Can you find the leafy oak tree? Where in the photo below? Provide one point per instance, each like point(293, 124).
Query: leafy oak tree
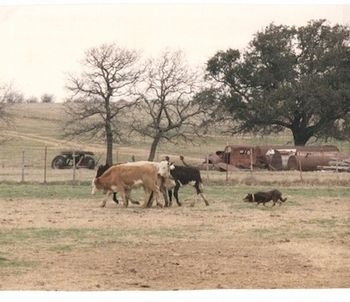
point(295, 78)
point(94, 106)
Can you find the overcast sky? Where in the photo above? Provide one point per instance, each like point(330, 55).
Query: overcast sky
point(40, 44)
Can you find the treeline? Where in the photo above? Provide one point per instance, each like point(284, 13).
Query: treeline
point(10, 95)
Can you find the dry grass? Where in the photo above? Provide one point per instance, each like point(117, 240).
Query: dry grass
point(72, 244)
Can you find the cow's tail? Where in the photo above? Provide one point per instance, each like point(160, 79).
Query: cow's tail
point(200, 190)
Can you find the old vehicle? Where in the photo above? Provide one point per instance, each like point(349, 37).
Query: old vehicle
point(66, 160)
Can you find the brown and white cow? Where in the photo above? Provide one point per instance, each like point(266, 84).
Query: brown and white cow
point(123, 177)
point(165, 181)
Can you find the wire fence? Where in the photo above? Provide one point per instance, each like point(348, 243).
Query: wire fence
point(35, 165)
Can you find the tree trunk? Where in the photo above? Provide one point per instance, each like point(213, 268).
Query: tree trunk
point(109, 143)
point(109, 134)
point(153, 150)
point(301, 136)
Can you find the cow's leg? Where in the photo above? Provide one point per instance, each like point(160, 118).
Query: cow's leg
point(176, 193)
point(148, 199)
point(200, 192)
point(170, 194)
point(159, 204)
point(195, 200)
point(129, 197)
point(115, 199)
point(154, 193)
point(124, 195)
point(165, 197)
point(104, 201)
point(163, 189)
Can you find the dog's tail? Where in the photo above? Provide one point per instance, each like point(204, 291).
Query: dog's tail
point(283, 199)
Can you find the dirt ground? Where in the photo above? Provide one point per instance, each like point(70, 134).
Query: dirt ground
point(76, 245)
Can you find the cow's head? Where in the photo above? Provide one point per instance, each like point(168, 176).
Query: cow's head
point(164, 168)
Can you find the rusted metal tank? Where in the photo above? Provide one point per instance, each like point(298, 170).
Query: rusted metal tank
point(307, 163)
point(274, 157)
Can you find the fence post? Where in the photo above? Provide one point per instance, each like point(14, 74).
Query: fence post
point(337, 170)
point(300, 170)
point(22, 178)
point(207, 168)
point(45, 164)
point(74, 167)
point(227, 171)
point(251, 162)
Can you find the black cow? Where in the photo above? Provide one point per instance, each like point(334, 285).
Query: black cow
point(183, 176)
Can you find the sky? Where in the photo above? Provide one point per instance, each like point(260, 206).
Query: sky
point(42, 43)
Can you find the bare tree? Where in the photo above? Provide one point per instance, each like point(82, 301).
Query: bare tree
point(167, 102)
point(109, 74)
point(10, 95)
point(32, 100)
point(6, 97)
point(47, 98)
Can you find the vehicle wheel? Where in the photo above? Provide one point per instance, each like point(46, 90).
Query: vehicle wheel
point(90, 162)
point(59, 162)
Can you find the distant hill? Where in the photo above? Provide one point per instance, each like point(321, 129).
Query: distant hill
point(38, 125)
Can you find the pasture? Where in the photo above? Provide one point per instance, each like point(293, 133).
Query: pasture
point(56, 237)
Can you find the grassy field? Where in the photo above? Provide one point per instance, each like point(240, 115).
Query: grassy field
point(55, 236)
point(83, 191)
point(38, 125)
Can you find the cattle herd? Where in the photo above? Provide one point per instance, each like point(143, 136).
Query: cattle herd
point(159, 177)
point(155, 177)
